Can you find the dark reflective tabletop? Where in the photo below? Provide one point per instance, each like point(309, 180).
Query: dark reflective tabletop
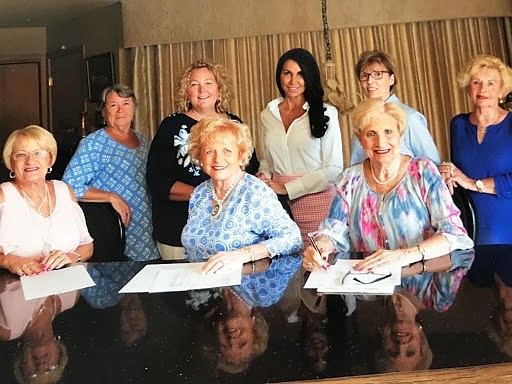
point(268, 329)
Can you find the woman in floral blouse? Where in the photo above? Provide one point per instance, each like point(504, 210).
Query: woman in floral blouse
point(391, 206)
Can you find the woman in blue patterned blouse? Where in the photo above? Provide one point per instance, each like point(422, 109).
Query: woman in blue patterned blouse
point(110, 166)
point(233, 217)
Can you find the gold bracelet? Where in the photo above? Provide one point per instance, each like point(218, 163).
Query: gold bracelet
point(253, 267)
point(250, 252)
point(78, 255)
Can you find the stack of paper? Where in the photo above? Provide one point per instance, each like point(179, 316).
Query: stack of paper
point(341, 278)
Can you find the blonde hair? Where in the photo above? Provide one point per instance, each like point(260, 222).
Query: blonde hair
point(221, 77)
point(211, 128)
point(486, 62)
point(369, 109)
point(36, 133)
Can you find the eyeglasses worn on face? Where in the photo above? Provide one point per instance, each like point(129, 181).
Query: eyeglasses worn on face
point(377, 75)
point(23, 155)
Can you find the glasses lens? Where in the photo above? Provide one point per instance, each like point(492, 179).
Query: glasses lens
point(363, 76)
point(377, 75)
point(20, 155)
point(40, 153)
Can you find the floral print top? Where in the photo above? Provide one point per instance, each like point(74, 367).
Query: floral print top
point(417, 208)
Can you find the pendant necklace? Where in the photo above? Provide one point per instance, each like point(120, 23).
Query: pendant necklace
point(31, 202)
point(386, 181)
point(484, 129)
point(45, 251)
point(218, 208)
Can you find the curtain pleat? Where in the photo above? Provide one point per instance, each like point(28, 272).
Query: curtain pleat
point(428, 55)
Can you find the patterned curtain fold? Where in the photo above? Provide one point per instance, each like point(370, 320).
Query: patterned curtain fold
point(428, 55)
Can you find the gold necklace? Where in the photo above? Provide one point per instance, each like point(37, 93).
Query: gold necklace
point(484, 129)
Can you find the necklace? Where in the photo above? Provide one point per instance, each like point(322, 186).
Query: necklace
point(484, 129)
point(40, 206)
point(46, 249)
point(218, 208)
point(386, 181)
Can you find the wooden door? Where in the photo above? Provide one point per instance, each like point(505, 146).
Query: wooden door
point(20, 99)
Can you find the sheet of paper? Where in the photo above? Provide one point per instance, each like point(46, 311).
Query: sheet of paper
point(56, 281)
point(180, 277)
point(330, 281)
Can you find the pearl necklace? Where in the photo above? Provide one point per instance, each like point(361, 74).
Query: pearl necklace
point(386, 181)
point(484, 129)
point(218, 208)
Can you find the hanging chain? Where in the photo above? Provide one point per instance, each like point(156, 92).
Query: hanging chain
point(327, 40)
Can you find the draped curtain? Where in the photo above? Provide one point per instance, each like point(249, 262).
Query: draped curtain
point(428, 56)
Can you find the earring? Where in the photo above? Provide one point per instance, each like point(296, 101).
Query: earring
point(189, 105)
point(49, 170)
point(12, 175)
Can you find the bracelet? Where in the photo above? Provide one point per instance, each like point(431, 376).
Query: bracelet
point(251, 253)
point(78, 255)
point(253, 268)
point(421, 251)
point(424, 267)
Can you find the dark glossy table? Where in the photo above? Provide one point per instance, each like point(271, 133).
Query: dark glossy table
point(266, 330)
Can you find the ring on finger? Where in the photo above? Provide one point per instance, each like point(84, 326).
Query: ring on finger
point(451, 171)
point(309, 265)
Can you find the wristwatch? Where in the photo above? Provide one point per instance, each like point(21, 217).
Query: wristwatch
point(479, 185)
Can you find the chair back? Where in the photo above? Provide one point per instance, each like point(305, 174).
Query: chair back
point(107, 230)
point(462, 199)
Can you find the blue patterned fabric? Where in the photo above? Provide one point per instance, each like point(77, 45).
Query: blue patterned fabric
point(251, 215)
point(109, 279)
point(266, 288)
point(103, 163)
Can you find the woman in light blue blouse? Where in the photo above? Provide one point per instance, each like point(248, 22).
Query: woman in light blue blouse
point(110, 166)
point(233, 217)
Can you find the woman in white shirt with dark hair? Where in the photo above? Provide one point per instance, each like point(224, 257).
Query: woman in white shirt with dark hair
point(302, 149)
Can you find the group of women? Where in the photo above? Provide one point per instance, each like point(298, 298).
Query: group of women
point(206, 197)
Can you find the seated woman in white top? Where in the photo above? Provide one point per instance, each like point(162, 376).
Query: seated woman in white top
point(41, 225)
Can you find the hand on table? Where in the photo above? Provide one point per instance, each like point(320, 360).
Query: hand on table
point(54, 260)
point(224, 259)
point(22, 266)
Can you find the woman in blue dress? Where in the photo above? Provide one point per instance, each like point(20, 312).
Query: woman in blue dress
point(110, 166)
point(234, 217)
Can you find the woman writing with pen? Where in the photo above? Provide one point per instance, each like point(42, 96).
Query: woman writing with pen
point(393, 207)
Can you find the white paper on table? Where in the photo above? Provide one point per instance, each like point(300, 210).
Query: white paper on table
point(329, 281)
point(56, 281)
point(181, 277)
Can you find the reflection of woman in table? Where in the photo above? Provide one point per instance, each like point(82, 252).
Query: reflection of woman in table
point(40, 351)
point(404, 345)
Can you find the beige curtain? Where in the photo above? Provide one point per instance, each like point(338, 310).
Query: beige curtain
point(428, 54)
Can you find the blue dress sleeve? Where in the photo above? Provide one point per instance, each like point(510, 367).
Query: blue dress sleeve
point(83, 166)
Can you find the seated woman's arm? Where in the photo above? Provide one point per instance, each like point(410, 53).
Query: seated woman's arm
point(444, 218)
point(282, 235)
point(58, 258)
point(16, 264)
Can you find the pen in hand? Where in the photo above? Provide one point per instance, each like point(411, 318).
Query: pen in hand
point(315, 245)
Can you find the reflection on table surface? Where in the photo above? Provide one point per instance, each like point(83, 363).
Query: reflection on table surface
point(267, 329)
